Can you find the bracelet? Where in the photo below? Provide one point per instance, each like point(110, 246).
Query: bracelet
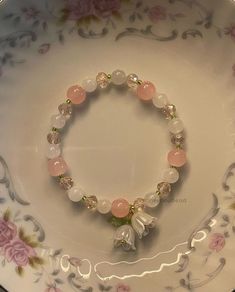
point(128, 217)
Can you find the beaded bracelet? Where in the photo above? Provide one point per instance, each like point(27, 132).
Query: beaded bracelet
point(128, 217)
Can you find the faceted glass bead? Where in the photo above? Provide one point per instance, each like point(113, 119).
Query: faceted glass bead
point(102, 80)
point(66, 182)
point(151, 200)
point(164, 188)
point(91, 202)
point(65, 110)
point(132, 80)
point(169, 111)
point(54, 137)
point(177, 139)
point(138, 204)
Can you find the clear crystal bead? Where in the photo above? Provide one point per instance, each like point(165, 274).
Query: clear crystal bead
point(91, 202)
point(65, 109)
point(132, 80)
point(66, 182)
point(169, 111)
point(177, 139)
point(54, 137)
point(102, 80)
point(138, 204)
point(164, 188)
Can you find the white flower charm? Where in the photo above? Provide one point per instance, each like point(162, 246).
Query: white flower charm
point(142, 222)
point(125, 237)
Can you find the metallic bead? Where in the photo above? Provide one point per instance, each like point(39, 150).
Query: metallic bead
point(65, 109)
point(66, 182)
point(68, 101)
point(54, 137)
point(169, 111)
point(164, 188)
point(90, 202)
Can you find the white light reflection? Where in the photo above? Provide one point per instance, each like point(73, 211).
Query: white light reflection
point(201, 238)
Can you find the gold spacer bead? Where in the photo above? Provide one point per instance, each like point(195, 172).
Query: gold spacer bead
point(84, 198)
point(139, 82)
point(68, 101)
point(54, 129)
point(109, 76)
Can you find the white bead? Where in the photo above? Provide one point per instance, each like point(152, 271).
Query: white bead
point(118, 77)
point(171, 175)
point(160, 100)
point(75, 194)
point(104, 206)
point(151, 200)
point(175, 126)
point(58, 121)
point(53, 151)
point(89, 84)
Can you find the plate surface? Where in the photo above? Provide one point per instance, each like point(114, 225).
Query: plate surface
point(116, 144)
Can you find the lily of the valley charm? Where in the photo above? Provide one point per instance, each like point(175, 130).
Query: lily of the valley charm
point(141, 222)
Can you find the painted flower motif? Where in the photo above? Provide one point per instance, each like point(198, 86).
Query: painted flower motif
point(18, 252)
point(8, 231)
point(78, 9)
point(53, 289)
point(217, 242)
point(157, 13)
point(230, 31)
point(44, 48)
point(123, 288)
point(105, 8)
point(142, 222)
point(30, 13)
point(125, 237)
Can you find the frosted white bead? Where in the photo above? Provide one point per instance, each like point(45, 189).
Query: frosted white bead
point(118, 77)
point(151, 200)
point(170, 175)
point(58, 121)
point(75, 194)
point(175, 126)
point(104, 206)
point(52, 151)
point(89, 84)
point(160, 100)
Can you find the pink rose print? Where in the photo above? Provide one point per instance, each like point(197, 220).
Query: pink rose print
point(157, 13)
point(123, 288)
point(7, 232)
point(53, 289)
point(230, 31)
point(44, 48)
point(78, 9)
point(104, 8)
point(18, 252)
point(217, 242)
point(30, 12)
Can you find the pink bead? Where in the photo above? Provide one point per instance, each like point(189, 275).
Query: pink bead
point(146, 90)
point(177, 157)
point(57, 166)
point(120, 208)
point(76, 94)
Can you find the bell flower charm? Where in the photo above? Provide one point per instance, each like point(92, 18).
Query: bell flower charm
point(142, 222)
point(125, 237)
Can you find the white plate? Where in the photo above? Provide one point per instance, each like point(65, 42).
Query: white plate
point(117, 145)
